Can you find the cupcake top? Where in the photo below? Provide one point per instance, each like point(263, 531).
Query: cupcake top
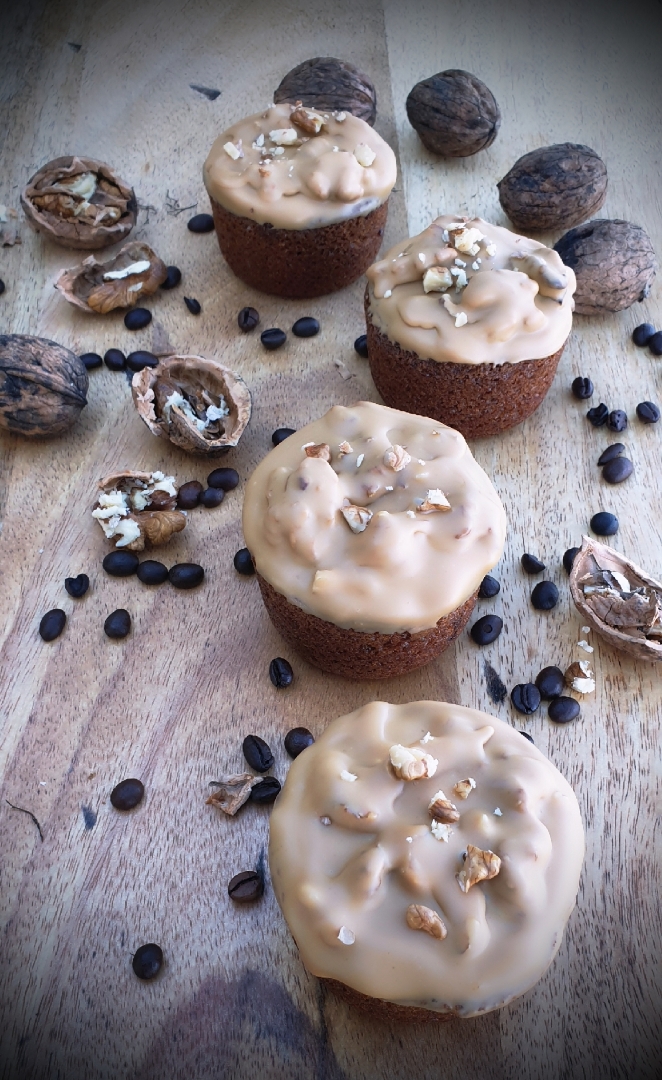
point(373, 519)
point(296, 168)
point(472, 293)
point(426, 854)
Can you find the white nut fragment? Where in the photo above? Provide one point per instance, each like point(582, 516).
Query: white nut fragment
point(463, 788)
point(135, 268)
point(396, 458)
point(437, 279)
point(357, 517)
point(344, 449)
point(347, 936)
point(284, 136)
point(460, 277)
point(490, 249)
point(461, 318)
point(365, 155)
point(467, 240)
point(580, 678)
point(498, 812)
point(420, 917)
point(233, 150)
point(442, 809)
point(435, 501)
point(410, 763)
point(479, 865)
point(440, 831)
point(428, 737)
point(585, 646)
point(324, 820)
point(345, 775)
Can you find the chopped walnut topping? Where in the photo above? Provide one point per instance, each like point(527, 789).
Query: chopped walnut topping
point(490, 249)
point(319, 450)
point(461, 318)
point(307, 120)
point(463, 788)
point(350, 776)
point(410, 763)
point(435, 500)
point(580, 677)
point(479, 865)
point(344, 449)
point(339, 116)
point(440, 831)
point(347, 936)
point(233, 792)
point(365, 155)
point(284, 137)
point(442, 809)
point(437, 279)
point(233, 150)
point(466, 240)
point(420, 917)
point(396, 458)
point(357, 517)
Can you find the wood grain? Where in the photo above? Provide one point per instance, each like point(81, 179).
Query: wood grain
point(172, 703)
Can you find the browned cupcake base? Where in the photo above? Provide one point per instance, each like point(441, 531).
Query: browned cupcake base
point(478, 400)
point(299, 263)
point(357, 655)
point(388, 1011)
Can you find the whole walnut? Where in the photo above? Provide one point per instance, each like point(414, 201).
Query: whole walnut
point(43, 386)
point(454, 113)
point(554, 187)
point(614, 262)
point(327, 83)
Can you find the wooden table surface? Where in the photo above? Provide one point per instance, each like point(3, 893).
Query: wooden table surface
point(172, 703)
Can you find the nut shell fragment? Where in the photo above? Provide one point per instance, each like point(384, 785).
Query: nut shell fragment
point(43, 386)
point(89, 286)
point(136, 509)
point(614, 262)
point(232, 792)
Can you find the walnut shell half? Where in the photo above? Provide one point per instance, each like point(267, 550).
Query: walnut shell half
point(43, 386)
point(621, 602)
point(454, 113)
point(79, 203)
point(614, 262)
point(98, 286)
point(197, 403)
point(327, 83)
point(554, 187)
point(137, 509)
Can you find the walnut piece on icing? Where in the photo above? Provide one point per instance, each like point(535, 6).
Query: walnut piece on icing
point(320, 450)
point(365, 155)
point(440, 831)
point(479, 865)
point(467, 240)
point(307, 120)
point(437, 279)
point(442, 809)
point(344, 449)
point(463, 788)
point(411, 763)
point(233, 150)
point(396, 458)
point(420, 917)
point(284, 136)
point(347, 936)
point(357, 517)
point(435, 500)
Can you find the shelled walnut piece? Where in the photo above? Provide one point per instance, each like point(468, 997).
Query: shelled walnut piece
point(135, 271)
point(136, 509)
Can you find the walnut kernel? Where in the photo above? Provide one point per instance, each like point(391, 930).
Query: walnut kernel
point(479, 865)
point(442, 809)
point(411, 763)
point(420, 917)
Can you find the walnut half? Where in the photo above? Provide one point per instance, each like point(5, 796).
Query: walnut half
point(479, 865)
point(420, 917)
point(135, 271)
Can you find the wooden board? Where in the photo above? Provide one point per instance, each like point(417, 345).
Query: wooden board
point(172, 703)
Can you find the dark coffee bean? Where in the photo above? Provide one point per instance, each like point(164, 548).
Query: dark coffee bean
point(642, 334)
point(487, 629)
point(2, 286)
point(611, 452)
point(147, 961)
point(189, 494)
point(281, 434)
point(91, 360)
point(531, 564)
point(604, 524)
point(489, 587)
point(525, 697)
point(151, 572)
point(243, 562)
point(361, 346)
point(266, 791)
point(545, 596)
point(173, 279)
point(655, 343)
point(599, 415)
point(52, 624)
point(582, 388)
point(226, 479)
point(140, 359)
point(273, 338)
point(248, 319)
point(245, 887)
point(306, 327)
point(257, 753)
point(138, 318)
point(550, 682)
point(569, 558)
point(648, 412)
point(526, 735)
point(121, 563)
point(185, 575)
point(200, 223)
point(617, 420)
point(280, 673)
point(297, 740)
point(77, 586)
point(211, 497)
point(563, 709)
point(617, 470)
point(127, 794)
point(115, 360)
point(118, 624)
point(194, 306)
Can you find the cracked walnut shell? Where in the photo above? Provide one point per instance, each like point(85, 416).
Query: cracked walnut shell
point(136, 509)
point(135, 271)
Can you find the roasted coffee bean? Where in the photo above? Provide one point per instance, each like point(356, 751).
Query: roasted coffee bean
point(118, 624)
point(257, 753)
point(266, 791)
point(648, 412)
point(115, 360)
point(604, 524)
point(248, 319)
point(77, 586)
point(297, 739)
point(280, 673)
point(189, 494)
point(361, 346)
point(642, 334)
point(245, 887)
point(598, 415)
point(91, 360)
point(489, 587)
point(211, 497)
point(226, 479)
point(127, 794)
point(611, 452)
point(617, 470)
point(617, 420)
point(140, 359)
point(121, 563)
point(173, 279)
point(148, 961)
point(185, 575)
point(550, 682)
point(487, 629)
point(526, 735)
point(563, 709)
point(306, 327)
point(531, 564)
point(582, 388)
point(525, 697)
point(52, 624)
point(194, 306)
point(138, 318)
point(151, 572)
point(273, 338)
point(281, 434)
point(569, 558)
point(2, 286)
point(545, 596)
point(655, 343)
point(243, 562)
point(200, 223)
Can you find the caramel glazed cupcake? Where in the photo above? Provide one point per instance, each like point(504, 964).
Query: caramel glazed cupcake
point(371, 531)
point(426, 858)
point(299, 198)
point(466, 323)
